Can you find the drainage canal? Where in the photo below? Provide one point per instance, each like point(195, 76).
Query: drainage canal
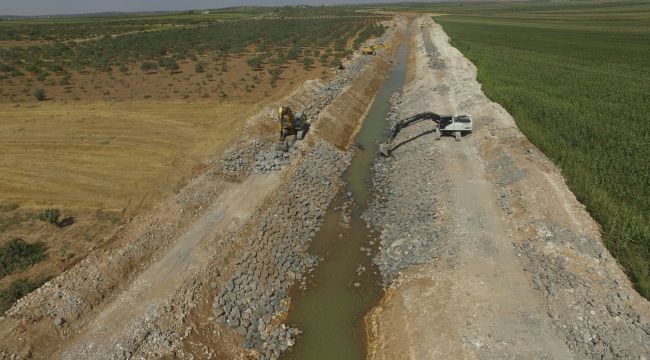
point(345, 285)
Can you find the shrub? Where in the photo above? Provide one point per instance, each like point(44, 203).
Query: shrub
point(9, 207)
point(50, 215)
point(275, 75)
point(148, 66)
point(9, 69)
point(255, 62)
point(16, 290)
point(308, 62)
point(16, 255)
point(336, 63)
point(40, 94)
point(42, 76)
point(293, 53)
point(199, 68)
point(169, 64)
point(65, 80)
point(323, 59)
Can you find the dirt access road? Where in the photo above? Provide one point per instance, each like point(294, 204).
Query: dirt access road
point(150, 292)
point(515, 267)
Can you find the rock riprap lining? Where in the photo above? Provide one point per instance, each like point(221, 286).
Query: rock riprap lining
point(277, 255)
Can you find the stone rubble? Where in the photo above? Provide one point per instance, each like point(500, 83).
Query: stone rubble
point(277, 254)
point(236, 162)
point(272, 160)
point(410, 237)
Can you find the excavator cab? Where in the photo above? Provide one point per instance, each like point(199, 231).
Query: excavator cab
point(291, 124)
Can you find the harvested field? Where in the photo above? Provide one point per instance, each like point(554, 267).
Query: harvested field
point(114, 156)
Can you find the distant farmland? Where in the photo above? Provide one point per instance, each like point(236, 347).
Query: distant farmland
point(577, 80)
point(175, 57)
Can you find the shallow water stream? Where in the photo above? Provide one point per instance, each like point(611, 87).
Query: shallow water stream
point(346, 285)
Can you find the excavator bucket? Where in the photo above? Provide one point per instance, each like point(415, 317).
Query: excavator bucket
point(384, 149)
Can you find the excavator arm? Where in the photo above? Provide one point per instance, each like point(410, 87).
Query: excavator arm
point(441, 121)
point(412, 120)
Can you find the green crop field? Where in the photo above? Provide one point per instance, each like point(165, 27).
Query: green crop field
point(576, 77)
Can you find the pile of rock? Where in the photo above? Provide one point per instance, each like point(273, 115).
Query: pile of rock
point(403, 208)
point(277, 257)
point(236, 161)
point(272, 160)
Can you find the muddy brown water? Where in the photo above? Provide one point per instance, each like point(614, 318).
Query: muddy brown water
point(330, 312)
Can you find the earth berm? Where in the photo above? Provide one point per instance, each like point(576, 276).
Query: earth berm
point(485, 252)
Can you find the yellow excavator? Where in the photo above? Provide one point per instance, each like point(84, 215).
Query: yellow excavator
point(372, 50)
point(291, 124)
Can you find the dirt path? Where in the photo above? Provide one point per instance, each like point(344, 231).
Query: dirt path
point(152, 289)
point(493, 256)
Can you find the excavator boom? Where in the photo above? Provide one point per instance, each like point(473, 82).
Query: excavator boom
point(443, 123)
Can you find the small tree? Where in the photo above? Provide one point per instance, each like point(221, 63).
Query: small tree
point(255, 62)
point(169, 64)
point(275, 75)
point(50, 215)
point(148, 66)
point(65, 80)
point(40, 95)
point(307, 62)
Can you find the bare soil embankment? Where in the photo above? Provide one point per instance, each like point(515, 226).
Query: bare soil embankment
point(486, 251)
point(237, 229)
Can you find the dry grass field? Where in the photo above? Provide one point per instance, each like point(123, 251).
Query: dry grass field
point(108, 155)
point(100, 163)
